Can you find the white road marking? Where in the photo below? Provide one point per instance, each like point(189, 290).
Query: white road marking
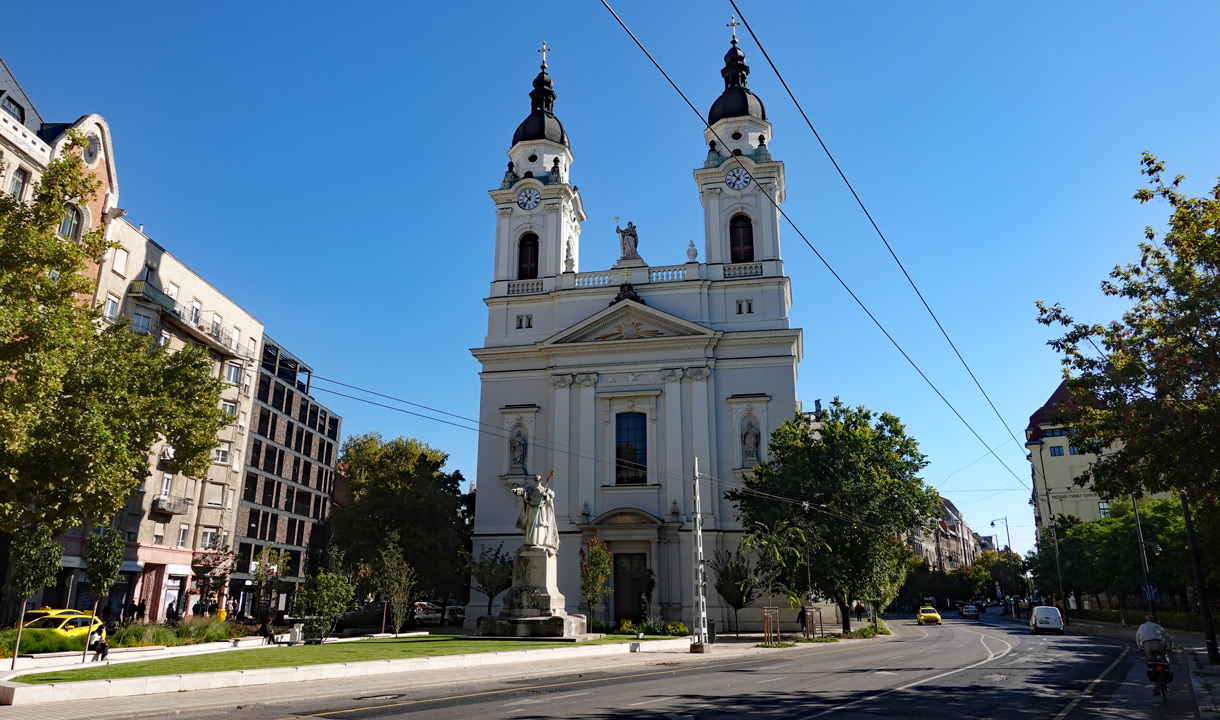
point(1089, 689)
point(654, 700)
point(883, 672)
point(522, 702)
point(760, 682)
point(569, 695)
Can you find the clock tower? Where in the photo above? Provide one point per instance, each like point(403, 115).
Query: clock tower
point(740, 185)
point(538, 210)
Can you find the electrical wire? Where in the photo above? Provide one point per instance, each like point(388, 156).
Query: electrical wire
point(823, 260)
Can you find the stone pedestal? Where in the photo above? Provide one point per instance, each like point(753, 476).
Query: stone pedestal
point(533, 606)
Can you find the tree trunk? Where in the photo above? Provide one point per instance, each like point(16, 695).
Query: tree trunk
point(20, 624)
point(736, 623)
point(492, 598)
point(84, 653)
point(844, 613)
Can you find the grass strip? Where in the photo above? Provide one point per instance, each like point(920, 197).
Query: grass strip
point(298, 655)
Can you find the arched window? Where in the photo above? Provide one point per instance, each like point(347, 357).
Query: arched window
point(741, 239)
point(69, 229)
point(527, 257)
point(630, 449)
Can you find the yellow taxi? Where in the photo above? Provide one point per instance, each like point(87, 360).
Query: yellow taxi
point(35, 614)
point(68, 626)
point(928, 614)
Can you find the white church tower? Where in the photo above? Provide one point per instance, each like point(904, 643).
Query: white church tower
point(617, 378)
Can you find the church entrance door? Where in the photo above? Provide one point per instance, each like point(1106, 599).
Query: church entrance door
point(630, 571)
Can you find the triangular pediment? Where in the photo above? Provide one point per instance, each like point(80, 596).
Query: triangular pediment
point(628, 320)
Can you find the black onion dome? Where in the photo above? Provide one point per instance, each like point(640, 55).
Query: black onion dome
point(736, 100)
point(541, 123)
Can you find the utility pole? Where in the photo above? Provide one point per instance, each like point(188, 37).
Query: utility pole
point(700, 590)
point(1054, 532)
point(1012, 574)
point(1205, 611)
point(1139, 534)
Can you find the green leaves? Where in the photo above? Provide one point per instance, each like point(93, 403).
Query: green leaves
point(594, 572)
point(104, 559)
point(491, 573)
point(35, 558)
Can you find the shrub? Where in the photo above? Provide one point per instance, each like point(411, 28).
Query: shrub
point(676, 628)
point(1172, 620)
point(597, 626)
point(202, 630)
point(144, 635)
point(39, 641)
point(625, 627)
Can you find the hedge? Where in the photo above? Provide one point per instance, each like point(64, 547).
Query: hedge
point(1172, 620)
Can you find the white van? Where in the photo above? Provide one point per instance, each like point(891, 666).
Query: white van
point(1045, 618)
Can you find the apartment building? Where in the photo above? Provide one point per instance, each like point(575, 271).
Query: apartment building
point(173, 518)
point(290, 475)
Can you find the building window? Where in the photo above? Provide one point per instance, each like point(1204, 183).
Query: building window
point(745, 307)
point(207, 537)
point(12, 108)
point(221, 454)
point(111, 311)
point(163, 340)
point(1057, 451)
point(630, 448)
point(167, 485)
point(195, 312)
point(141, 323)
point(172, 291)
point(158, 533)
point(229, 406)
point(69, 228)
point(1073, 450)
point(16, 187)
point(183, 529)
point(233, 373)
point(215, 494)
point(525, 321)
point(527, 257)
point(120, 262)
point(741, 239)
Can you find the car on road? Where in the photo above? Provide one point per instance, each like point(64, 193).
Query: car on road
point(928, 614)
point(1045, 618)
point(970, 611)
point(980, 606)
point(32, 615)
point(68, 626)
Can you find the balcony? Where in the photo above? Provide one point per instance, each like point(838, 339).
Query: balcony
point(170, 505)
point(191, 319)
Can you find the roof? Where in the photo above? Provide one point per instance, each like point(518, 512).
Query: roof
point(1042, 416)
point(736, 100)
point(9, 87)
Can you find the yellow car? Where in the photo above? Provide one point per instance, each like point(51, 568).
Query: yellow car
point(69, 626)
point(32, 615)
point(928, 614)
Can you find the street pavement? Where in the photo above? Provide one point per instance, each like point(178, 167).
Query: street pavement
point(986, 668)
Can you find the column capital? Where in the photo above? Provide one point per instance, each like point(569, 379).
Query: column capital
point(671, 374)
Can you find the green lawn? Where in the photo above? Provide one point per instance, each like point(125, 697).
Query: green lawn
point(295, 655)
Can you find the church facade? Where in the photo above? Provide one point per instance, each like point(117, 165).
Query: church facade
point(620, 379)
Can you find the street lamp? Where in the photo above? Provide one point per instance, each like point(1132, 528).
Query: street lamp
point(1012, 575)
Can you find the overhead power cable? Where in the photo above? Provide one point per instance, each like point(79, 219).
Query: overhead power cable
point(823, 260)
point(873, 222)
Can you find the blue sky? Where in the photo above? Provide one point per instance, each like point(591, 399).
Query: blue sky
point(326, 165)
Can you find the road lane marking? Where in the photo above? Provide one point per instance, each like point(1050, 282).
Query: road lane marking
point(760, 682)
point(776, 667)
point(566, 695)
point(654, 700)
point(883, 672)
point(1072, 705)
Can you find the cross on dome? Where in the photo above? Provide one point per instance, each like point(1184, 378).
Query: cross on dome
point(544, 51)
point(732, 23)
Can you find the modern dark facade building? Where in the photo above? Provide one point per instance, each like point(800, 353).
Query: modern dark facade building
point(289, 475)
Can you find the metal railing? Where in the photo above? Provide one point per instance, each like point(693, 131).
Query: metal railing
point(169, 504)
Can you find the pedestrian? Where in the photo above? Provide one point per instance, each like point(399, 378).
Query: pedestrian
point(859, 611)
point(98, 644)
point(141, 610)
point(265, 632)
point(800, 621)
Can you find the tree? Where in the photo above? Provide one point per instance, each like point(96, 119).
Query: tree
point(79, 408)
point(104, 557)
point(35, 557)
point(320, 600)
point(1006, 568)
point(849, 481)
point(396, 584)
point(735, 581)
point(268, 579)
point(594, 571)
point(213, 565)
point(399, 486)
point(1145, 389)
point(777, 550)
point(491, 573)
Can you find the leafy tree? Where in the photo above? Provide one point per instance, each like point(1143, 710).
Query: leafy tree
point(491, 573)
point(269, 582)
point(853, 476)
point(1146, 388)
point(396, 584)
point(213, 565)
point(777, 551)
point(35, 557)
point(104, 557)
point(594, 571)
point(735, 581)
point(79, 409)
point(398, 486)
point(1005, 567)
point(320, 600)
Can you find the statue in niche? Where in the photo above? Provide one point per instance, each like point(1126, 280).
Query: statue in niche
point(537, 516)
point(516, 446)
point(629, 240)
point(749, 442)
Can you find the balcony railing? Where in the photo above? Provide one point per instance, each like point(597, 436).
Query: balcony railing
point(743, 270)
point(169, 504)
point(193, 319)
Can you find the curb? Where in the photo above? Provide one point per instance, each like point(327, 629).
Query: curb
point(12, 693)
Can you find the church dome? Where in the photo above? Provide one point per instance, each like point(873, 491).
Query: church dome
point(736, 100)
point(541, 123)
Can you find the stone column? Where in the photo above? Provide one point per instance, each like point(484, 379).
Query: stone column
point(701, 431)
point(561, 441)
point(676, 466)
point(587, 448)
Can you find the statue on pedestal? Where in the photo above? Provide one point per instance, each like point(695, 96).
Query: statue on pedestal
point(629, 240)
point(516, 447)
point(537, 516)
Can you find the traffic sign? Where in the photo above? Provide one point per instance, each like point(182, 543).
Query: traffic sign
point(1151, 594)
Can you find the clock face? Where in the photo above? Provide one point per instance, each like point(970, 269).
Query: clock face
point(737, 178)
point(529, 199)
point(91, 148)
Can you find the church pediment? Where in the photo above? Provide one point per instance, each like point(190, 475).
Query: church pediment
point(628, 320)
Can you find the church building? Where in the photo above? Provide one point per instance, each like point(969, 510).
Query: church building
point(619, 379)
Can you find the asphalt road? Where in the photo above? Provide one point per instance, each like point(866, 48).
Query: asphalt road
point(986, 668)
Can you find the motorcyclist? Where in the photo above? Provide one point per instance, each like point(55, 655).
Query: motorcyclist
point(1155, 642)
